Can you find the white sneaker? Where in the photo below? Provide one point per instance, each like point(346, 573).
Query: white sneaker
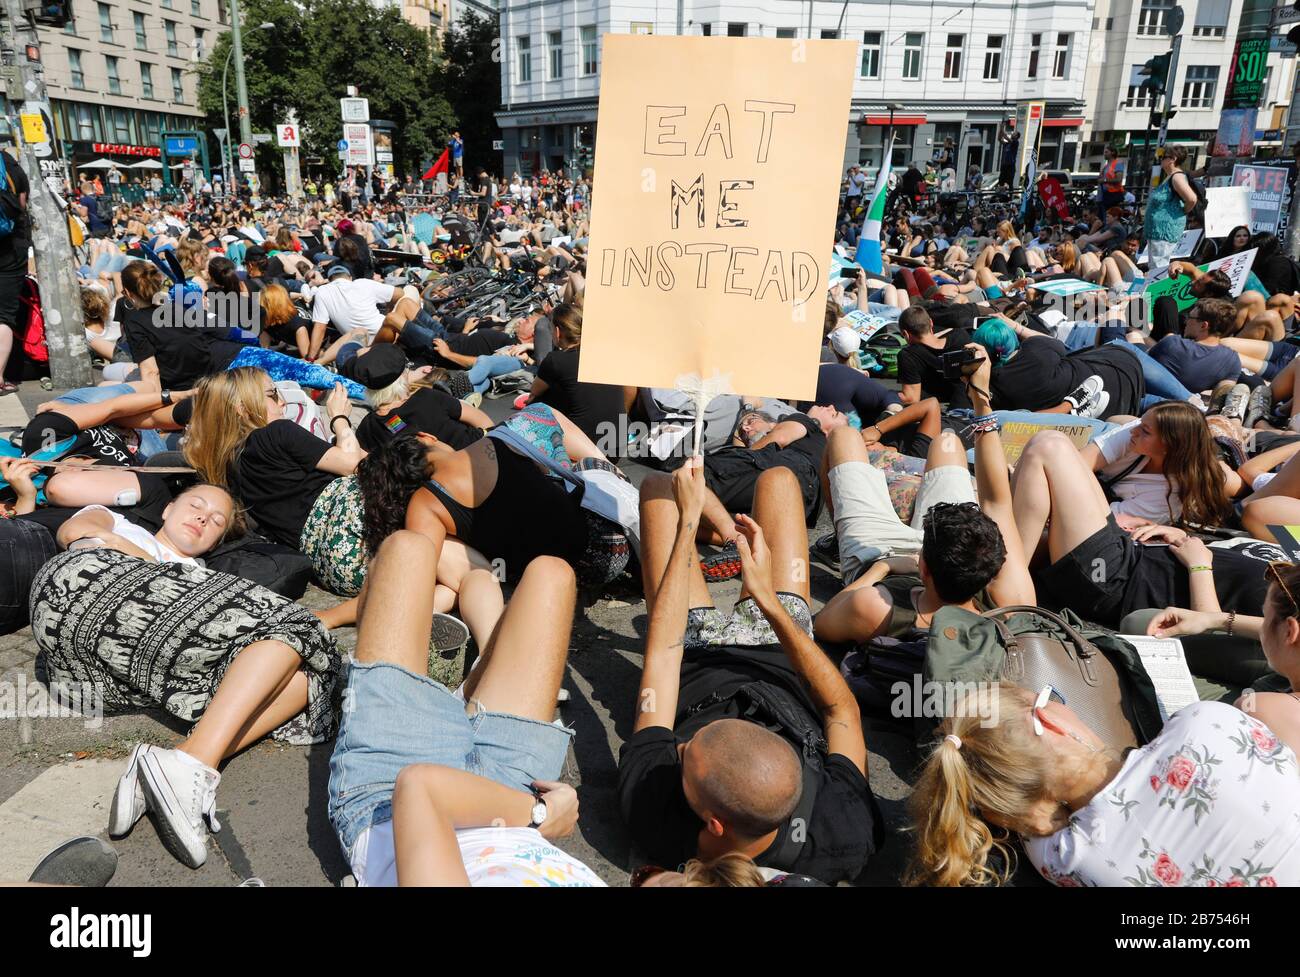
point(128, 800)
point(182, 792)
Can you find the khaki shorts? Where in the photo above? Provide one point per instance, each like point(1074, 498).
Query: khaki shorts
point(866, 525)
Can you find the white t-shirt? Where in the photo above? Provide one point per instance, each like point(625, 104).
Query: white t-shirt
point(497, 857)
point(1151, 497)
point(351, 304)
point(142, 538)
point(1213, 801)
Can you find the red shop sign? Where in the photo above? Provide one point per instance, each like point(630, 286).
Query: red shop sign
point(113, 149)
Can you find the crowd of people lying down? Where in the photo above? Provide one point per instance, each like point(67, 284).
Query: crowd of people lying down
point(198, 491)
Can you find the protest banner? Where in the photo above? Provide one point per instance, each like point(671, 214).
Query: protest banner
point(1267, 185)
point(1067, 286)
point(1235, 266)
point(1226, 208)
point(707, 258)
point(1016, 434)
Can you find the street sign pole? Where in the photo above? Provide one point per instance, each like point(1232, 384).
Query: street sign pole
point(65, 334)
point(1169, 87)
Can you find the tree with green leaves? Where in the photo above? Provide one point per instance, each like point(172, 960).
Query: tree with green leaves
point(317, 49)
point(473, 85)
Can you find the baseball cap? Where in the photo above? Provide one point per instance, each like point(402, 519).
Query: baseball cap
point(338, 270)
point(845, 341)
point(380, 367)
point(255, 253)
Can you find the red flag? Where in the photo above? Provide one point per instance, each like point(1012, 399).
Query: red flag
point(1053, 197)
point(438, 167)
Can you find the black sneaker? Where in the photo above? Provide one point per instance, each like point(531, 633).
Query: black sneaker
point(826, 551)
point(723, 565)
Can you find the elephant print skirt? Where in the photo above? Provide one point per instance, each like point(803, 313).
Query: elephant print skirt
point(161, 635)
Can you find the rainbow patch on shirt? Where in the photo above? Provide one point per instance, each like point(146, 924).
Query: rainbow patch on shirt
point(395, 425)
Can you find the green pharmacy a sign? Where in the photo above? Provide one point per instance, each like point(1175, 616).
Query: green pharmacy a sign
point(1249, 65)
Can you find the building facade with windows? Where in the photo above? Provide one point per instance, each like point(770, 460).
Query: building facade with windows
point(955, 70)
point(122, 73)
point(1128, 33)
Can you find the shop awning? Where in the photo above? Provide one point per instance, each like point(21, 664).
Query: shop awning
point(899, 119)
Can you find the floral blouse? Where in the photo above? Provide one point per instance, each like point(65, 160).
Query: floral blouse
point(1213, 801)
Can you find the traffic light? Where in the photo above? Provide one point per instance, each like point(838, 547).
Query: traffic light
point(1293, 35)
point(55, 13)
point(1157, 73)
point(1160, 118)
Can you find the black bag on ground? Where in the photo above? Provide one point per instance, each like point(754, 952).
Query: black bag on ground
point(272, 565)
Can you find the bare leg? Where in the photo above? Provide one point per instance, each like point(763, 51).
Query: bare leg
point(778, 509)
point(254, 681)
point(1052, 480)
point(523, 664)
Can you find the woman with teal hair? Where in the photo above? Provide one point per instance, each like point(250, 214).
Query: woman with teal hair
point(998, 339)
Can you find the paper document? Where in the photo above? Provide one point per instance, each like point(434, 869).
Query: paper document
point(1164, 661)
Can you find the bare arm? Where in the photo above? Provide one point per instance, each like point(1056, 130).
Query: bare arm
point(1013, 583)
point(909, 393)
point(785, 433)
point(841, 718)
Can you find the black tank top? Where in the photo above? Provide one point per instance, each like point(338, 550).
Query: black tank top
point(526, 515)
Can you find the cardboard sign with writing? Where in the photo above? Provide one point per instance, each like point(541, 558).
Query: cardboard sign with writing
point(718, 164)
point(1235, 266)
point(1016, 434)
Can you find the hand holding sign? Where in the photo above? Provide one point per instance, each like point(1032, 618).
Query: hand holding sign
point(715, 196)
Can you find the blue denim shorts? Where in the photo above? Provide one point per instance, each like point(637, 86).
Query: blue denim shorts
point(393, 718)
point(420, 331)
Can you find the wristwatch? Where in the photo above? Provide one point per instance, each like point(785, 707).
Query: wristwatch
point(166, 398)
point(539, 810)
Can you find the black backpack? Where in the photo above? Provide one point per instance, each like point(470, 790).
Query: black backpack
point(1198, 212)
point(104, 209)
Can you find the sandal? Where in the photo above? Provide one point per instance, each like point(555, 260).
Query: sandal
point(7, 388)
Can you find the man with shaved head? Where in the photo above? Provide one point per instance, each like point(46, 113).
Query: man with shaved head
point(746, 739)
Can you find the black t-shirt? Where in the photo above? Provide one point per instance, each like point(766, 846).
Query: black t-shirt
point(184, 354)
point(1142, 576)
point(847, 389)
point(430, 410)
point(154, 497)
point(480, 342)
point(104, 444)
point(732, 472)
point(1037, 377)
point(588, 405)
point(14, 245)
point(920, 364)
point(845, 826)
point(275, 475)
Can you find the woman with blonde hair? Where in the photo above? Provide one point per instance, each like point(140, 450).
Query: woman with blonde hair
point(1211, 801)
point(136, 618)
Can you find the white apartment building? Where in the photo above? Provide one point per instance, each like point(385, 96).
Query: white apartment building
point(955, 70)
point(1127, 33)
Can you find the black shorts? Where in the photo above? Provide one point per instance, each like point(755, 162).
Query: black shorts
point(1108, 576)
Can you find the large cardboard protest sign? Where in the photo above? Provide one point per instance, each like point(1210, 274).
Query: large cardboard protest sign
point(717, 172)
point(1235, 266)
point(1268, 190)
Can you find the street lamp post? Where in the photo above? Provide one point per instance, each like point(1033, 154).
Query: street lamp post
point(245, 131)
